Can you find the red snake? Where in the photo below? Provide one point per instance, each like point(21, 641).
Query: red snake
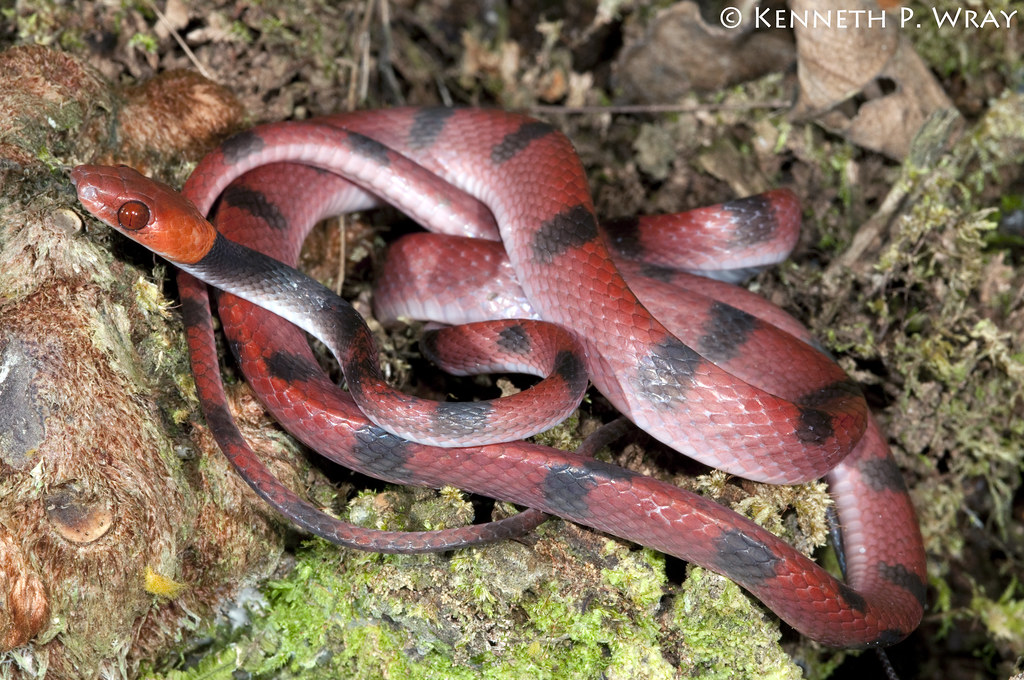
point(497, 175)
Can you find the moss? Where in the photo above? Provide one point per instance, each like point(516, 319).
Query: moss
point(769, 506)
point(1004, 618)
point(642, 582)
point(928, 298)
point(954, 359)
point(564, 436)
point(39, 22)
point(725, 634)
point(977, 52)
point(576, 605)
point(588, 639)
point(147, 43)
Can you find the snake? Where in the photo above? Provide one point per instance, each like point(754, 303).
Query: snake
point(734, 382)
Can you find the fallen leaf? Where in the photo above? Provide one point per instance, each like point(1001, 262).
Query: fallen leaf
point(864, 82)
point(678, 52)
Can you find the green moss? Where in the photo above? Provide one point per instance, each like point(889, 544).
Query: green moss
point(928, 300)
point(726, 635)
point(564, 436)
point(39, 24)
point(1004, 618)
point(952, 358)
point(643, 582)
point(218, 666)
point(574, 605)
point(584, 640)
point(146, 43)
point(960, 48)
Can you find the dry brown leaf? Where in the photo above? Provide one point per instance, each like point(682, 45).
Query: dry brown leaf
point(678, 52)
point(864, 82)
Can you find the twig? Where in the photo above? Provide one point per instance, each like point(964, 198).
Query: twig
point(659, 108)
point(181, 41)
point(385, 65)
point(359, 85)
point(340, 275)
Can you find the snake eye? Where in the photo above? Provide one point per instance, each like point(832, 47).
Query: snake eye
point(133, 215)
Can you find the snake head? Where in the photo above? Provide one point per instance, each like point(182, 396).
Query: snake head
point(147, 211)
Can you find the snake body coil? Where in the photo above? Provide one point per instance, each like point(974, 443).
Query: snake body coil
point(714, 372)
